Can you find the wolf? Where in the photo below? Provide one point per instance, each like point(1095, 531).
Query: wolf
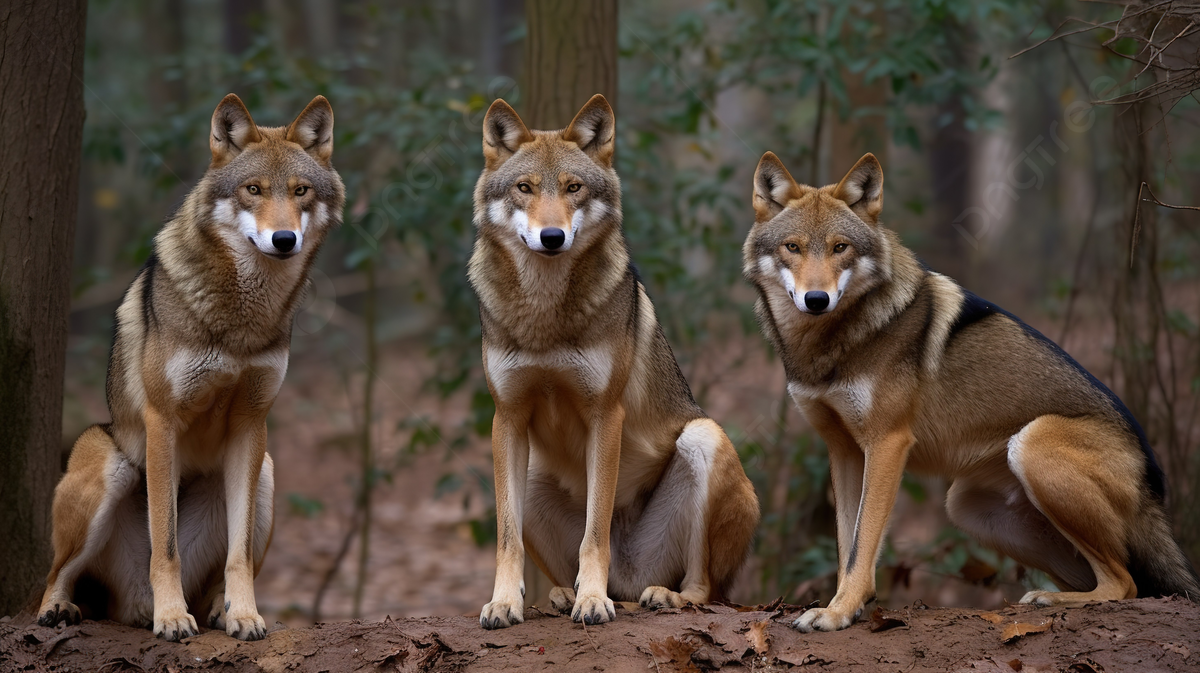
point(897, 367)
point(607, 472)
point(169, 507)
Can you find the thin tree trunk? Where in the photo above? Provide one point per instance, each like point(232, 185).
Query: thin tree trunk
point(41, 74)
point(570, 56)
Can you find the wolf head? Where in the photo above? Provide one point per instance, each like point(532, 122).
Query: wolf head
point(548, 193)
point(821, 246)
point(274, 187)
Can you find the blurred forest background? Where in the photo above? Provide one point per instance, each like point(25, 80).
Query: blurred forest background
point(1020, 177)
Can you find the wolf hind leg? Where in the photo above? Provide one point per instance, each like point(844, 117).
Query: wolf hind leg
point(1086, 478)
point(713, 513)
point(98, 477)
point(995, 511)
point(553, 530)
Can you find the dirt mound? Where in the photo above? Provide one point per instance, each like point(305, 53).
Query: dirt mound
point(1137, 635)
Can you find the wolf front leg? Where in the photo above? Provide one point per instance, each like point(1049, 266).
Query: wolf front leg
point(243, 469)
point(510, 457)
point(885, 459)
point(592, 604)
point(171, 618)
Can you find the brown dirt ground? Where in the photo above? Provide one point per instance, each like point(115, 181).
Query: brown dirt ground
point(1137, 635)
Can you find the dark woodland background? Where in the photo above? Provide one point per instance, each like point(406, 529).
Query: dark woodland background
point(1025, 177)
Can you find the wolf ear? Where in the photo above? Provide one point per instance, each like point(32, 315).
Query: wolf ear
point(862, 189)
point(503, 133)
point(594, 130)
point(232, 130)
point(313, 130)
point(773, 187)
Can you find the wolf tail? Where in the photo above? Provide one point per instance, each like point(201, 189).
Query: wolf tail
point(1157, 564)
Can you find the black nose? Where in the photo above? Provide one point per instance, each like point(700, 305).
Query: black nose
point(284, 241)
point(816, 300)
point(553, 238)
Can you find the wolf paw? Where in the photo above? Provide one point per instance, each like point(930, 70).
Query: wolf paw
point(1042, 599)
point(562, 599)
point(593, 610)
point(825, 619)
point(216, 614)
point(175, 625)
point(661, 597)
point(502, 614)
point(244, 625)
point(61, 611)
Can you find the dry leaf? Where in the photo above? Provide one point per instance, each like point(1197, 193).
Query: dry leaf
point(1013, 631)
point(758, 638)
point(882, 622)
point(990, 617)
point(673, 650)
point(1015, 664)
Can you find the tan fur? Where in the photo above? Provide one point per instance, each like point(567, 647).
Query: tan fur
point(905, 370)
point(607, 473)
point(200, 352)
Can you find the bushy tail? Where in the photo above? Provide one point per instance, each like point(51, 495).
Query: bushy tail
point(1157, 564)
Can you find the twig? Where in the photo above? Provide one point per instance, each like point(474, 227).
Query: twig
point(1137, 218)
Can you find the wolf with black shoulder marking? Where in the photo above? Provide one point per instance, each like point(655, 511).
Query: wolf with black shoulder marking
point(898, 367)
point(170, 506)
point(607, 472)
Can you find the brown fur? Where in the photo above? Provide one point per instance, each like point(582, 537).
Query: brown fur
point(607, 473)
point(200, 351)
point(905, 370)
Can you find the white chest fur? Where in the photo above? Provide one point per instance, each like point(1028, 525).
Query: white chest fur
point(851, 399)
point(196, 374)
point(588, 368)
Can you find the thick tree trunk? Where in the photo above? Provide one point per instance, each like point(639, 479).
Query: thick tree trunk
point(41, 74)
point(570, 56)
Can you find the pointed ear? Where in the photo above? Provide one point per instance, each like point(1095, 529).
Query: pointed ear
point(773, 187)
point(232, 130)
point(862, 189)
point(594, 130)
point(313, 130)
point(503, 133)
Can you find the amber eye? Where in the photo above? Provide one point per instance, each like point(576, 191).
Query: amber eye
point(525, 188)
point(840, 247)
point(301, 190)
point(574, 187)
point(793, 248)
point(253, 189)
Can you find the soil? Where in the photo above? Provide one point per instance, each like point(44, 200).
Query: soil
point(1136, 635)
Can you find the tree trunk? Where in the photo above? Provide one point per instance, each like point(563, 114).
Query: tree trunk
point(570, 56)
point(41, 74)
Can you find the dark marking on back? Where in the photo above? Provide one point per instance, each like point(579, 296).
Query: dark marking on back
point(975, 309)
point(148, 289)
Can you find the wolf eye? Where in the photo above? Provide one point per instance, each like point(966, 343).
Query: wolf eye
point(524, 188)
point(574, 187)
point(840, 247)
point(301, 190)
point(792, 247)
point(253, 189)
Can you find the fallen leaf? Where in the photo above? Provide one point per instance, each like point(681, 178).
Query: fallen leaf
point(758, 638)
point(673, 650)
point(990, 617)
point(1015, 630)
point(1015, 664)
point(885, 622)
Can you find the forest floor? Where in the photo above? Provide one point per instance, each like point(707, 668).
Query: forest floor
point(1138, 635)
